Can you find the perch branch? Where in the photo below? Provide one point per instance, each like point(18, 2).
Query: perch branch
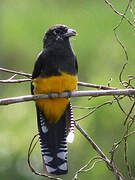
point(7, 101)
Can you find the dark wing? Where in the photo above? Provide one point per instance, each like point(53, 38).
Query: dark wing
point(76, 65)
point(37, 70)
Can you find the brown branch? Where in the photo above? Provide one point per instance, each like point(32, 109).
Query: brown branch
point(11, 80)
point(15, 72)
point(95, 86)
point(82, 169)
point(131, 10)
point(111, 166)
point(121, 44)
point(99, 106)
point(7, 101)
point(116, 145)
point(118, 13)
point(121, 108)
point(98, 150)
point(126, 159)
point(128, 115)
point(133, 132)
point(127, 134)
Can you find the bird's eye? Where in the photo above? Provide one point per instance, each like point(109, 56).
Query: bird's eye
point(57, 31)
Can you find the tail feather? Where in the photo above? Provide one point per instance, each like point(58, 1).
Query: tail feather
point(53, 142)
point(70, 124)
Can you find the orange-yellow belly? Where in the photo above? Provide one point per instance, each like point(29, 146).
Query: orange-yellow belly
point(54, 108)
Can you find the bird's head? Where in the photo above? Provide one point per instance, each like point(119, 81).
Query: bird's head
point(57, 35)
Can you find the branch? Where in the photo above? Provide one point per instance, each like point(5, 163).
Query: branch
point(15, 72)
point(83, 169)
point(7, 101)
point(11, 80)
point(118, 13)
point(94, 85)
point(14, 81)
point(99, 106)
point(109, 163)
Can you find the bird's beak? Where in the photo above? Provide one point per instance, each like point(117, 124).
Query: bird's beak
point(70, 33)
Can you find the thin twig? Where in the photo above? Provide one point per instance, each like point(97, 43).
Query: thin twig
point(15, 72)
point(14, 80)
point(118, 13)
point(111, 166)
point(99, 106)
point(95, 108)
point(129, 124)
point(95, 86)
point(129, 113)
point(13, 76)
point(121, 44)
point(131, 133)
point(79, 107)
point(116, 145)
point(121, 106)
point(29, 75)
point(131, 10)
point(82, 169)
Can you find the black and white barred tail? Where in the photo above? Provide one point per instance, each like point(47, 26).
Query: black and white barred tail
point(53, 141)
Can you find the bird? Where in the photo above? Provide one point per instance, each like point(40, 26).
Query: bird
point(55, 71)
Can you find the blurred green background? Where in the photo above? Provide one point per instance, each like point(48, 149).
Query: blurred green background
point(100, 57)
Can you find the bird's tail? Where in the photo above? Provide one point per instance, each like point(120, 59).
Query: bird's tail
point(53, 141)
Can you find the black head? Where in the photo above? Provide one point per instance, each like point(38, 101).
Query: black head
point(57, 35)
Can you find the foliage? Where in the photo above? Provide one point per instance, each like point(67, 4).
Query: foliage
point(100, 58)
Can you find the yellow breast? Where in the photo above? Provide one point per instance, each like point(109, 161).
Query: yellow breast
point(54, 108)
